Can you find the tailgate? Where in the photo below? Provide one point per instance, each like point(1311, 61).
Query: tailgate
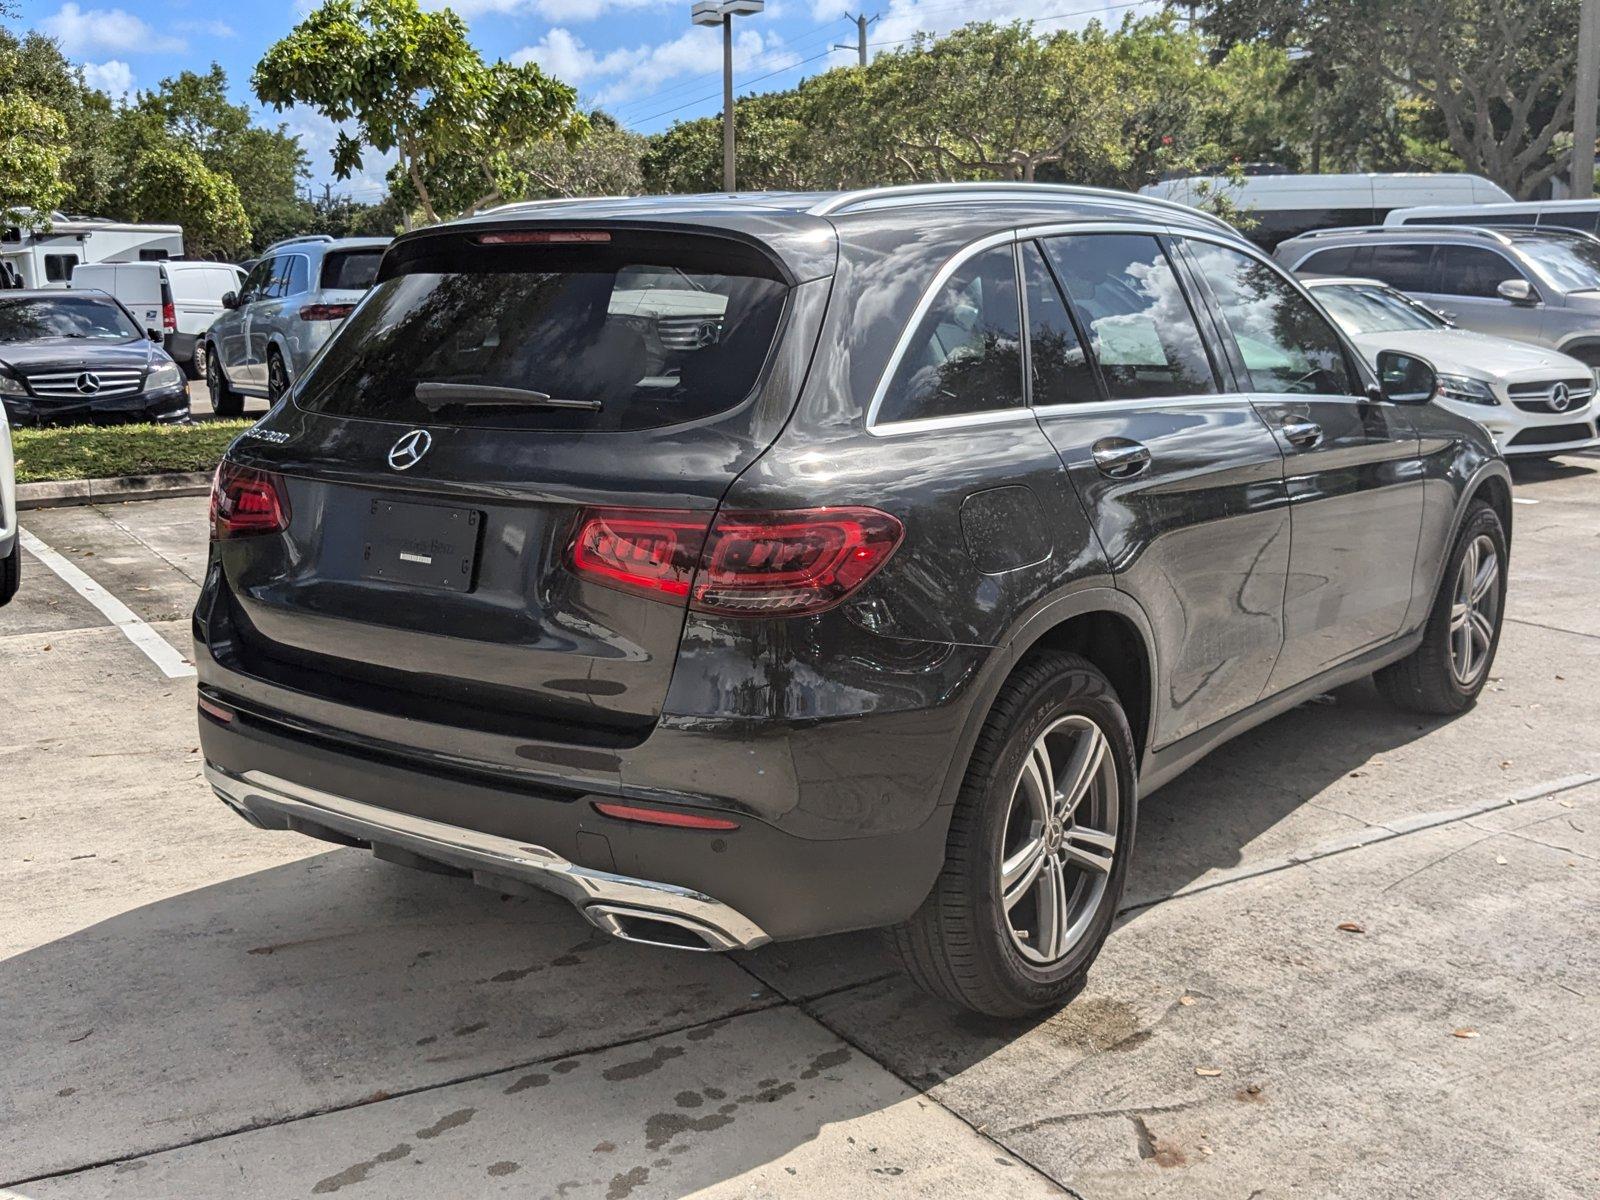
point(433, 489)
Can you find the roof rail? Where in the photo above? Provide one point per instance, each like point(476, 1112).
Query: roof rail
point(912, 192)
point(548, 202)
point(300, 239)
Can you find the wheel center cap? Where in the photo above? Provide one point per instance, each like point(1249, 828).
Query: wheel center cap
point(1054, 835)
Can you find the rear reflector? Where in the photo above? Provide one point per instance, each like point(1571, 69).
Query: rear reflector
point(742, 564)
point(663, 816)
point(542, 237)
point(216, 711)
point(326, 312)
point(246, 501)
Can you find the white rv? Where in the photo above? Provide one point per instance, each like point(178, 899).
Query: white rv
point(45, 258)
point(1285, 206)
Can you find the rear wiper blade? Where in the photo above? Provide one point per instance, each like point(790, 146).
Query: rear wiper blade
point(435, 396)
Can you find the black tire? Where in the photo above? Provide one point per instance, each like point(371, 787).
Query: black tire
point(225, 402)
point(960, 945)
point(1427, 680)
point(194, 366)
point(11, 573)
point(277, 376)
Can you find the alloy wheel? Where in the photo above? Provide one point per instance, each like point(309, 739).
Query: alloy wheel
point(1474, 606)
point(277, 381)
point(1060, 839)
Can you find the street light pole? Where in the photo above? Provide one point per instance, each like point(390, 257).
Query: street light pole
point(1583, 112)
point(722, 12)
point(727, 103)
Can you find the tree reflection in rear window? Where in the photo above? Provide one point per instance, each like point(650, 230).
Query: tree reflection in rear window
point(652, 343)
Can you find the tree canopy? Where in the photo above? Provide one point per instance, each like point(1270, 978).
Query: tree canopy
point(409, 81)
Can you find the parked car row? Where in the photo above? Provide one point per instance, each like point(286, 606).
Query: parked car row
point(246, 334)
point(1529, 294)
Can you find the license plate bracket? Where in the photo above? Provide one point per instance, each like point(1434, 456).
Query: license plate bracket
point(423, 545)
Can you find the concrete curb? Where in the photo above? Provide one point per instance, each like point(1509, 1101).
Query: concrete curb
point(64, 493)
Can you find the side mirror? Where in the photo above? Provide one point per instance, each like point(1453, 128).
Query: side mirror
point(1405, 378)
point(1518, 291)
point(230, 300)
point(155, 335)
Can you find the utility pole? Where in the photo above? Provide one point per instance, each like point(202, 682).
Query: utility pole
point(1583, 111)
point(862, 21)
point(722, 12)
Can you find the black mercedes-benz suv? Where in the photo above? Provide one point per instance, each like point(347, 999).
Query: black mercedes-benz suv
point(81, 357)
point(755, 567)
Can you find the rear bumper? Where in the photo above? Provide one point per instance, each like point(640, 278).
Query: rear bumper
point(749, 885)
point(603, 897)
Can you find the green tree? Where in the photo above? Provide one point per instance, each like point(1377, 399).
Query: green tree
point(267, 165)
point(605, 161)
point(1498, 75)
point(170, 184)
point(409, 82)
point(33, 158)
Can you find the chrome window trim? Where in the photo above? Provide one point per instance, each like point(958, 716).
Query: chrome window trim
point(924, 303)
point(1188, 401)
point(1020, 233)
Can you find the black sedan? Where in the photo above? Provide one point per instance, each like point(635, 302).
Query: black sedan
point(81, 357)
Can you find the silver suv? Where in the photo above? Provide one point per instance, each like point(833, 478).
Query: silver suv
point(290, 303)
point(1533, 285)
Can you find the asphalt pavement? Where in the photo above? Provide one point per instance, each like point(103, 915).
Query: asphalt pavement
point(1359, 957)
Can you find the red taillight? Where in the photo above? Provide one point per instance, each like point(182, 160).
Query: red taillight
point(246, 501)
point(543, 237)
point(746, 564)
point(663, 816)
point(169, 317)
point(326, 312)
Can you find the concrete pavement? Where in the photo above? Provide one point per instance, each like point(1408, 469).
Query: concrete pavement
point(191, 1007)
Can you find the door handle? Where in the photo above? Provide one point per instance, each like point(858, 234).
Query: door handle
point(1304, 434)
point(1120, 458)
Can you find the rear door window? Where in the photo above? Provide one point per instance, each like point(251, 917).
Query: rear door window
point(296, 278)
point(351, 270)
point(1340, 260)
point(1402, 267)
point(637, 332)
point(1471, 271)
point(1286, 344)
point(1059, 370)
point(965, 355)
point(1140, 327)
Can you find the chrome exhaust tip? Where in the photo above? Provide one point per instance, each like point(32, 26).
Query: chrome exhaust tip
point(651, 928)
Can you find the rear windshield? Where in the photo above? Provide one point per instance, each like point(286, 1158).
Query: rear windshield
point(598, 337)
point(351, 270)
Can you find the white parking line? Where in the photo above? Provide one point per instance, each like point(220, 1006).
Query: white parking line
point(156, 648)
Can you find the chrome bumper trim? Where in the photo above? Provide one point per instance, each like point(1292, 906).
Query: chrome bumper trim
point(473, 851)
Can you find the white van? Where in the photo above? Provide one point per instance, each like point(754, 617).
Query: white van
point(1285, 206)
point(180, 299)
point(1562, 214)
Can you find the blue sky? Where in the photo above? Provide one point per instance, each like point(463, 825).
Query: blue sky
point(640, 59)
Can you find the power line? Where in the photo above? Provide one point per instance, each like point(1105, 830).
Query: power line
point(766, 56)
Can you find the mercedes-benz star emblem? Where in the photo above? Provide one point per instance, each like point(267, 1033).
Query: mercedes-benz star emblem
point(408, 451)
point(1560, 397)
point(88, 383)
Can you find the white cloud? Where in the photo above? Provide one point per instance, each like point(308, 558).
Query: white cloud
point(114, 78)
point(212, 29)
point(317, 135)
point(903, 19)
point(84, 31)
point(550, 10)
point(628, 73)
